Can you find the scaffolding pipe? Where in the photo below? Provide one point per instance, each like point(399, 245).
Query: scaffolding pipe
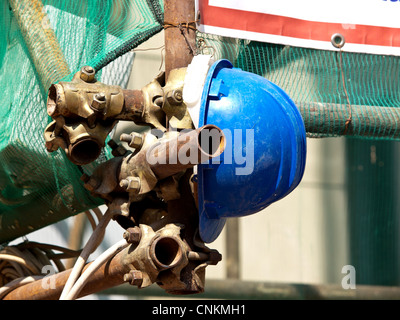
point(232, 289)
point(40, 40)
point(108, 275)
point(180, 33)
point(108, 279)
point(366, 121)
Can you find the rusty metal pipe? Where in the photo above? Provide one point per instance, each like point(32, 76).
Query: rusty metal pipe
point(61, 101)
point(84, 151)
point(41, 41)
point(180, 42)
point(186, 150)
point(82, 123)
point(179, 46)
point(133, 108)
point(107, 276)
point(166, 252)
point(232, 289)
point(81, 143)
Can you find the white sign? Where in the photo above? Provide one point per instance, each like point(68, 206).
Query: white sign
point(369, 26)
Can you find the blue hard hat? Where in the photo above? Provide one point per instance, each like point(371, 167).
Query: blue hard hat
point(264, 157)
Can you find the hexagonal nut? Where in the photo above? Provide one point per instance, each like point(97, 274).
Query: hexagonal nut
point(119, 151)
point(174, 97)
point(131, 184)
point(87, 74)
point(136, 141)
point(134, 277)
point(134, 184)
point(99, 102)
point(133, 235)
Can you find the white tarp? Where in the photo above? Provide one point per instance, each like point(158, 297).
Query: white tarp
point(370, 26)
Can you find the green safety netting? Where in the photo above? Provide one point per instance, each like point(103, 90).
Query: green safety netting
point(42, 42)
point(329, 87)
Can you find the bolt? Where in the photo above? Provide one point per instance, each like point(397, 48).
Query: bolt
point(124, 183)
point(134, 277)
point(199, 256)
point(131, 184)
point(178, 95)
point(118, 150)
point(137, 140)
point(214, 257)
point(113, 145)
point(127, 277)
point(174, 97)
point(133, 235)
point(134, 140)
point(100, 96)
point(158, 101)
point(87, 74)
point(99, 102)
point(88, 69)
point(125, 137)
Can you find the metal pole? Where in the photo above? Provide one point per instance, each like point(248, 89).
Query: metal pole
point(180, 38)
point(107, 276)
point(40, 40)
point(245, 290)
point(367, 121)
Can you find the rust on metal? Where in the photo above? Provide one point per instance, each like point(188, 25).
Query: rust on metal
point(85, 111)
point(133, 108)
point(179, 42)
point(75, 98)
point(137, 174)
point(189, 146)
point(160, 257)
point(107, 276)
point(133, 235)
point(41, 41)
point(149, 186)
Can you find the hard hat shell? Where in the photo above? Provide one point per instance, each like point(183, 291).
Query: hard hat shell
point(271, 134)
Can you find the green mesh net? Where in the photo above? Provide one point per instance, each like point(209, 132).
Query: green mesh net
point(42, 43)
point(328, 87)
